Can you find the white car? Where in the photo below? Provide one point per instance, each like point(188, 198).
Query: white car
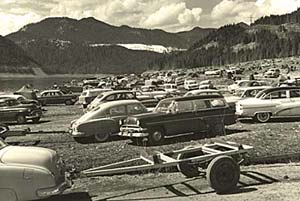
point(87, 96)
point(191, 84)
point(30, 173)
point(245, 83)
point(271, 102)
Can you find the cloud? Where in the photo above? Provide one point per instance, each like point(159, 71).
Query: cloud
point(233, 11)
point(171, 15)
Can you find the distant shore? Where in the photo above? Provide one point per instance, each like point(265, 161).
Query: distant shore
point(17, 75)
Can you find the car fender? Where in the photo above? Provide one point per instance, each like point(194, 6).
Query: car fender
point(8, 194)
point(97, 125)
point(263, 111)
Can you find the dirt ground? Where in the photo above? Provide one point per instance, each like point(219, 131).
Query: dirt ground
point(258, 182)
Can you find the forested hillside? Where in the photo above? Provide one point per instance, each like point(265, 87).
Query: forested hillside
point(266, 38)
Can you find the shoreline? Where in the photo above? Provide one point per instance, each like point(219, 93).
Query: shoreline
point(13, 75)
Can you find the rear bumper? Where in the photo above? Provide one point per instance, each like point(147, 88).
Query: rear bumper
point(56, 190)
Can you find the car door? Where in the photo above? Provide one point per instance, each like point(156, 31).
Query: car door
point(279, 103)
point(202, 113)
point(117, 114)
point(294, 95)
point(181, 120)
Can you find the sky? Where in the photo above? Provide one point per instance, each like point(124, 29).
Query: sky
point(169, 15)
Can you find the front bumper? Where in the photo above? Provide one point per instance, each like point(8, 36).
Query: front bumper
point(135, 132)
point(56, 190)
point(34, 114)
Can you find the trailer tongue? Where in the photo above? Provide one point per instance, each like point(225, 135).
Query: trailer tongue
point(220, 159)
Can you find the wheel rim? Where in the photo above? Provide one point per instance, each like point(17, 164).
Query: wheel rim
point(156, 136)
point(101, 137)
point(263, 117)
point(21, 119)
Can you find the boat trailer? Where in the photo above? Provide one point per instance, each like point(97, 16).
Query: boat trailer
point(220, 159)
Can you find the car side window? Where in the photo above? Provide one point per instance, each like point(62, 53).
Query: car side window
point(276, 95)
point(135, 109)
point(217, 103)
point(129, 96)
point(110, 98)
point(295, 93)
point(200, 105)
point(118, 110)
point(185, 106)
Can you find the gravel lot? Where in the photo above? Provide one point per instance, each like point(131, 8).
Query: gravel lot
point(268, 183)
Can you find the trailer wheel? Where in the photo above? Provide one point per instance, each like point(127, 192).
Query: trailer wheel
point(21, 119)
point(223, 174)
point(187, 168)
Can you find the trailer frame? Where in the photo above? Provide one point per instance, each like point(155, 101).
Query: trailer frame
point(219, 158)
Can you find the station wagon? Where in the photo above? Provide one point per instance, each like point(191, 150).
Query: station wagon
point(271, 102)
point(180, 116)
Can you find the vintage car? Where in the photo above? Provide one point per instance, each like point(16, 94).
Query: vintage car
point(55, 96)
point(103, 122)
point(191, 84)
point(272, 73)
point(88, 95)
point(121, 95)
point(245, 83)
point(271, 102)
point(22, 99)
point(31, 173)
point(13, 110)
point(180, 116)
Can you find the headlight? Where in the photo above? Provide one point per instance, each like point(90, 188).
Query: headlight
point(138, 123)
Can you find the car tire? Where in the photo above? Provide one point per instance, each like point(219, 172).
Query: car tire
point(216, 130)
point(101, 137)
point(223, 174)
point(156, 136)
point(84, 140)
point(21, 119)
point(186, 168)
point(68, 102)
point(36, 120)
point(262, 117)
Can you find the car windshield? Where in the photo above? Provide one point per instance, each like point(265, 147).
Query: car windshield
point(162, 106)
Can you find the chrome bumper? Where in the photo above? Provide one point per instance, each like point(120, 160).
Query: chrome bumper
point(56, 190)
point(133, 132)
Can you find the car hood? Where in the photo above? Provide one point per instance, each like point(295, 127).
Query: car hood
point(132, 120)
point(35, 156)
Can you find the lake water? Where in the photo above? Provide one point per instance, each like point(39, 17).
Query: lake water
point(13, 84)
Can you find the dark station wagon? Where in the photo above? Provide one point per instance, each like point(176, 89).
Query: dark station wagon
point(57, 97)
point(180, 116)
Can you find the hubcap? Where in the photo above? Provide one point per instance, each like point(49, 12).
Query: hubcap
point(157, 136)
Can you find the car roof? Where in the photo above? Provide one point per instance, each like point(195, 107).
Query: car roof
point(118, 103)
point(51, 90)
point(6, 99)
point(96, 89)
point(116, 92)
point(268, 90)
point(183, 98)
